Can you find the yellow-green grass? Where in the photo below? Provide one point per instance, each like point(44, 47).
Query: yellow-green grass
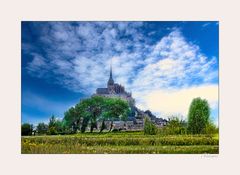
point(119, 143)
point(216, 136)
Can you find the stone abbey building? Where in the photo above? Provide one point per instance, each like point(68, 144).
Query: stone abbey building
point(115, 90)
point(136, 117)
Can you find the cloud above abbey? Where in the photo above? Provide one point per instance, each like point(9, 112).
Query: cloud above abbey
point(152, 61)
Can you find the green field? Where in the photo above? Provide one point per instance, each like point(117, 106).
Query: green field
point(120, 143)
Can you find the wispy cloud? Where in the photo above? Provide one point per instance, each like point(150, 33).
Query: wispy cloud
point(206, 24)
point(173, 63)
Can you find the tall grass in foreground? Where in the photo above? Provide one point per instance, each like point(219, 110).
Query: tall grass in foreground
point(135, 142)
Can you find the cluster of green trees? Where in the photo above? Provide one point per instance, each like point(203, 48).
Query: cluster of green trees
point(101, 109)
point(92, 110)
point(86, 113)
point(54, 126)
point(198, 121)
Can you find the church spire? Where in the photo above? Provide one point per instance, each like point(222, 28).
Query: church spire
point(110, 81)
point(111, 70)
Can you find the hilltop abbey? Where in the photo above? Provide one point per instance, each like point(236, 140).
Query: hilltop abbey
point(115, 90)
point(136, 117)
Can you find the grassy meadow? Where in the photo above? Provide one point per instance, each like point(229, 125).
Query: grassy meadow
point(120, 143)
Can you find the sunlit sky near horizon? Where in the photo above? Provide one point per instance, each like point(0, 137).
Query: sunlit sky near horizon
point(164, 64)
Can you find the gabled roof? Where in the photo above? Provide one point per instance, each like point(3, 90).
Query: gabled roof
point(102, 91)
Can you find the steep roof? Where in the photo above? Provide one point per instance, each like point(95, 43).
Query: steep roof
point(102, 91)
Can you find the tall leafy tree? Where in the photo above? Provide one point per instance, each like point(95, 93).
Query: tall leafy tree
point(81, 115)
point(198, 116)
point(83, 109)
point(116, 109)
point(72, 118)
point(54, 126)
point(95, 107)
point(59, 126)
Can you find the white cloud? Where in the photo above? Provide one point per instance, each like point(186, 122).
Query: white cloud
point(177, 101)
point(174, 62)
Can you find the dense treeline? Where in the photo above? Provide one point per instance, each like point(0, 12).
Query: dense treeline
point(88, 112)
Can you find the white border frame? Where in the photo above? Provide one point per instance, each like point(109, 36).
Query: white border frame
point(11, 15)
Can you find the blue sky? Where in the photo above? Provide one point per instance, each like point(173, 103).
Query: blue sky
point(163, 64)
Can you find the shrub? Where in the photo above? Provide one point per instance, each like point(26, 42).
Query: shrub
point(149, 127)
point(42, 128)
point(26, 129)
point(55, 126)
point(52, 131)
point(175, 126)
point(210, 129)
